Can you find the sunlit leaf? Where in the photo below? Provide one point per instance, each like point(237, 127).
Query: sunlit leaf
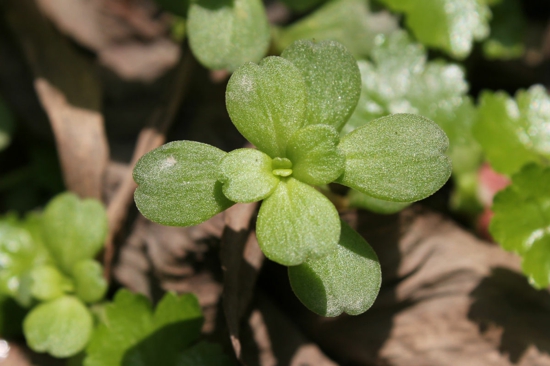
point(48, 283)
point(178, 183)
point(90, 285)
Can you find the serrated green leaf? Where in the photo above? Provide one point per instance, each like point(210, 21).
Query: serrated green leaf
point(247, 175)
point(347, 280)
point(178, 183)
point(332, 80)
point(514, 132)
point(522, 210)
point(361, 200)
point(61, 327)
point(224, 34)
point(132, 335)
point(397, 158)
point(73, 229)
point(507, 32)
point(267, 103)
point(296, 223)
point(204, 354)
point(90, 285)
point(6, 125)
point(20, 252)
point(450, 25)
point(48, 283)
point(315, 156)
point(349, 22)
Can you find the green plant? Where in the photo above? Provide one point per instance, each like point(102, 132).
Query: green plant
point(292, 109)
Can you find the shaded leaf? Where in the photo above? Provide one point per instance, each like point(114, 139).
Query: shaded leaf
point(61, 327)
point(90, 285)
point(396, 158)
point(347, 280)
point(247, 175)
point(450, 25)
point(178, 7)
point(178, 183)
point(204, 354)
point(296, 223)
point(514, 132)
point(507, 31)
point(267, 103)
point(332, 80)
point(224, 34)
point(361, 200)
point(132, 335)
point(349, 22)
point(315, 157)
point(6, 125)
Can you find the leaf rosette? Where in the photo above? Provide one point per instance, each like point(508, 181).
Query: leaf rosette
point(292, 108)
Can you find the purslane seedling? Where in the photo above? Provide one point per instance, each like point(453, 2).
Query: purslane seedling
point(292, 109)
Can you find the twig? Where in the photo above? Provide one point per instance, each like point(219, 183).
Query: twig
point(151, 136)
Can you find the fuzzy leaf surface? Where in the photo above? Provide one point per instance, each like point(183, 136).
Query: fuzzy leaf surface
point(48, 283)
point(450, 25)
point(361, 200)
point(296, 223)
point(20, 252)
point(247, 175)
point(514, 132)
point(267, 103)
point(315, 157)
point(349, 22)
point(332, 80)
point(522, 221)
point(133, 335)
point(224, 34)
point(90, 285)
point(73, 229)
point(61, 327)
point(178, 183)
point(347, 280)
point(397, 158)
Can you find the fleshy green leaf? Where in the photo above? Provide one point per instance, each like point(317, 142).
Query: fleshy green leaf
point(349, 22)
point(48, 283)
point(332, 79)
point(90, 284)
point(224, 34)
point(296, 223)
point(247, 175)
point(361, 200)
point(507, 31)
point(178, 183)
point(73, 229)
point(314, 155)
point(20, 252)
point(450, 25)
point(132, 335)
point(396, 158)
point(267, 103)
point(514, 132)
point(204, 354)
point(61, 327)
point(347, 280)
point(522, 221)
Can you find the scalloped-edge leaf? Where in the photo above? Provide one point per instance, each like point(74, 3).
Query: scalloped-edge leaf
point(224, 34)
point(178, 183)
point(61, 327)
point(247, 175)
point(90, 285)
point(73, 229)
point(267, 103)
point(48, 283)
point(296, 223)
point(347, 280)
point(397, 158)
point(314, 154)
point(332, 79)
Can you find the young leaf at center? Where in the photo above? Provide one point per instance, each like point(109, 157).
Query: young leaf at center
point(397, 158)
point(296, 223)
point(347, 280)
